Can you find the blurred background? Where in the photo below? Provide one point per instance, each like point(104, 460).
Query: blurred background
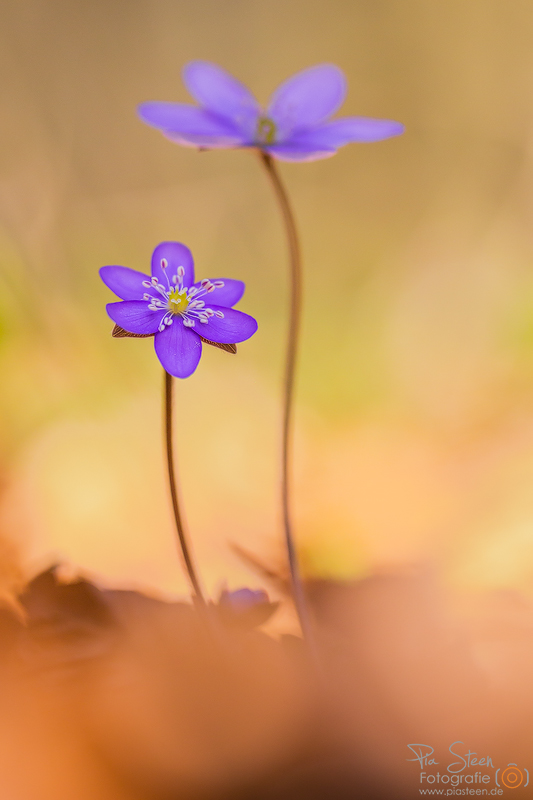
point(414, 439)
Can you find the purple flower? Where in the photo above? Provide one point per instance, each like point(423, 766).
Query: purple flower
point(243, 599)
point(173, 308)
point(245, 607)
point(295, 126)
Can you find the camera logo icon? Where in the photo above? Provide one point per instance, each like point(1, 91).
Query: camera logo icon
point(512, 777)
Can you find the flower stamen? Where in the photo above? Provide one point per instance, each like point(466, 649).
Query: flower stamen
point(177, 300)
point(181, 301)
point(266, 131)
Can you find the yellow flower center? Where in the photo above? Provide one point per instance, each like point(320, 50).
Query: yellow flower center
point(266, 131)
point(178, 301)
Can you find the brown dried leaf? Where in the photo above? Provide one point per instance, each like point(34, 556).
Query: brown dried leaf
point(228, 348)
point(120, 333)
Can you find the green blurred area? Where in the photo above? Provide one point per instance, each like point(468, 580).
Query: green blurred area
point(418, 250)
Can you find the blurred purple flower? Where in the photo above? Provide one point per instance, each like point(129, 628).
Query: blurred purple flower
point(243, 599)
point(295, 126)
point(245, 607)
point(172, 307)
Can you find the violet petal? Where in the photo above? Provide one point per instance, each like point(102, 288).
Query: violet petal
point(207, 142)
point(221, 93)
point(232, 328)
point(292, 151)
point(307, 98)
point(178, 348)
point(135, 316)
point(196, 126)
point(345, 130)
point(124, 282)
point(176, 255)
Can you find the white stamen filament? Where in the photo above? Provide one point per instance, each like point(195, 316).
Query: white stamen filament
point(195, 308)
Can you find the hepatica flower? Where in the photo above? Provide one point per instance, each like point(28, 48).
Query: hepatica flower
point(243, 599)
point(178, 312)
point(296, 125)
point(246, 607)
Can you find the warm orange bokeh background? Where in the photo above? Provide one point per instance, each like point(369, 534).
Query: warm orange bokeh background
point(415, 398)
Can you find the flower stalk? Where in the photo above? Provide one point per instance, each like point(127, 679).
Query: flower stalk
point(295, 312)
point(198, 596)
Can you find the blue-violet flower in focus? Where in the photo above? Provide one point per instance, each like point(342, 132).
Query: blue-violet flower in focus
point(295, 126)
point(175, 309)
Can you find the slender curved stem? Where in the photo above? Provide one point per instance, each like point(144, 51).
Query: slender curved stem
point(288, 386)
point(182, 537)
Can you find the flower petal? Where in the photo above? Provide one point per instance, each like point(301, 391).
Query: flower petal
point(348, 129)
point(135, 316)
point(242, 599)
point(178, 348)
point(292, 151)
point(234, 327)
point(221, 93)
point(198, 127)
point(176, 255)
point(308, 98)
point(228, 295)
point(206, 142)
point(125, 282)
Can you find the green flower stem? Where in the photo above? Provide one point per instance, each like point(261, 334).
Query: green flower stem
point(198, 596)
point(295, 262)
